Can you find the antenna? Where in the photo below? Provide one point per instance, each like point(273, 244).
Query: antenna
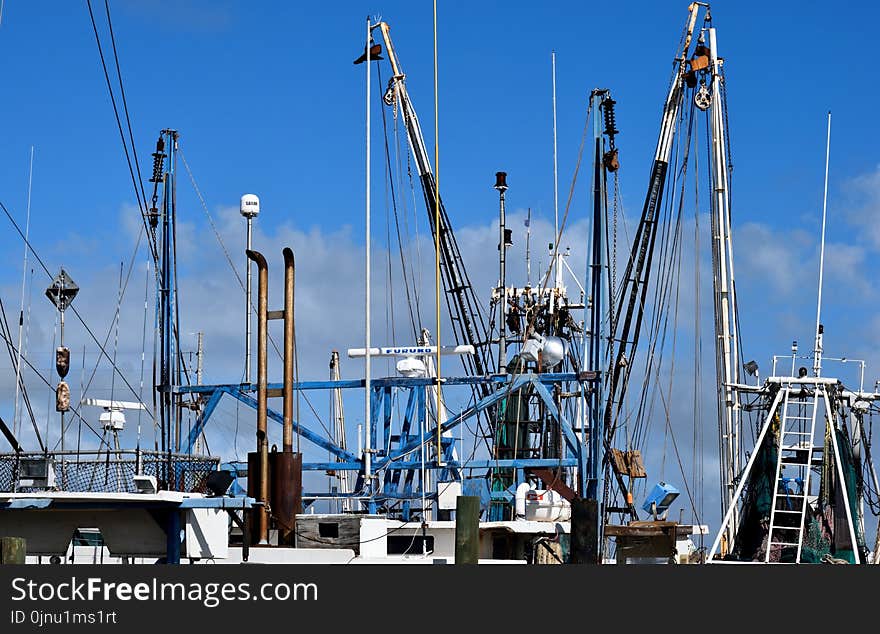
point(368, 476)
point(16, 415)
point(528, 251)
point(555, 165)
point(817, 358)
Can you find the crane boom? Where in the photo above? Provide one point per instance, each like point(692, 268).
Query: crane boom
point(627, 319)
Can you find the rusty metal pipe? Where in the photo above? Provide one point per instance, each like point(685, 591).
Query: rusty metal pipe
point(287, 441)
point(262, 527)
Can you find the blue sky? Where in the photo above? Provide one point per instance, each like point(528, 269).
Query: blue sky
point(266, 100)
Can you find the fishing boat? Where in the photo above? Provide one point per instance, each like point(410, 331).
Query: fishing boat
point(512, 429)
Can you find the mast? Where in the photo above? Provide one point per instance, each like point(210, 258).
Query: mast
point(338, 413)
point(726, 332)
point(368, 451)
point(817, 353)
point(166, 315)
point(597, 341)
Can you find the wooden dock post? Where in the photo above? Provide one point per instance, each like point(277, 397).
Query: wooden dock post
point(584, 540)
point(13, 550)
point(467, 529)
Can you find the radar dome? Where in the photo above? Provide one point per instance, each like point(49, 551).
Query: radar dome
point(250, 205)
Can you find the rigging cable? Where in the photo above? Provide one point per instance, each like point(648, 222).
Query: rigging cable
point(110, 328)
point(7, 337)
point(128, 158)
point(201, 198)
point(124, 101)
point(390, 180)
point(71, 307)
point(116, 332)
point(670, 255)
point(697, 460)
point(389, 306)
point(8, 340)
point(179, 152)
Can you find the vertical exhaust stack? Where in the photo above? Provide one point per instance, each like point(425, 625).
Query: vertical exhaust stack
point(258, 463)
point(289, 270)
point(287, 465)
point(275, 479)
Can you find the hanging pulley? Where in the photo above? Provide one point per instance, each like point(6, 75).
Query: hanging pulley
point(390, 95)
point(703, 98)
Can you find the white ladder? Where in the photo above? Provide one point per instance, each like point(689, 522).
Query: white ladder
point(793, 465)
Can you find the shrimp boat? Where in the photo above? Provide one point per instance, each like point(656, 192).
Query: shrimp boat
point(532, 450)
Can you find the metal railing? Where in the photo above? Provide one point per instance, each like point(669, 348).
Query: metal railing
point(103, 472)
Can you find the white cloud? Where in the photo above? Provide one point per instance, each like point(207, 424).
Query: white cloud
point(861, 197)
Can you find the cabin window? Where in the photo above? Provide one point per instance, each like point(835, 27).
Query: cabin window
point(328, 529)
point(87, 537)
point(409, 545)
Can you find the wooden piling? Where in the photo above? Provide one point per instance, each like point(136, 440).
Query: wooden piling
point(584, 537)
point(13, 550)
point(467, 529)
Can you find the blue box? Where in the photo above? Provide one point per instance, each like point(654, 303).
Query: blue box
point(662, 495)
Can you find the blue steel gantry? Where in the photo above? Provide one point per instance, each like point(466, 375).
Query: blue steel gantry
point(395, 461)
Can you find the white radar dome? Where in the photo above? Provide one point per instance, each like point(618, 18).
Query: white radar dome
point(250, 205)
point(411, 367)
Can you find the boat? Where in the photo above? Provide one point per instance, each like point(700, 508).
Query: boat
point(552, 462)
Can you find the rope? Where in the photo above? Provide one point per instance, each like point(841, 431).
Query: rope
point(124, 100)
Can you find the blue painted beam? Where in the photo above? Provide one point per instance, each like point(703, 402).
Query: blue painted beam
point(298, 429)
point(395, 381)
point(518, 463)
point(374, 418)
point(228, 503)
point(210, 406)
point(404, 429)
point(544, 393)
point(378, 497)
